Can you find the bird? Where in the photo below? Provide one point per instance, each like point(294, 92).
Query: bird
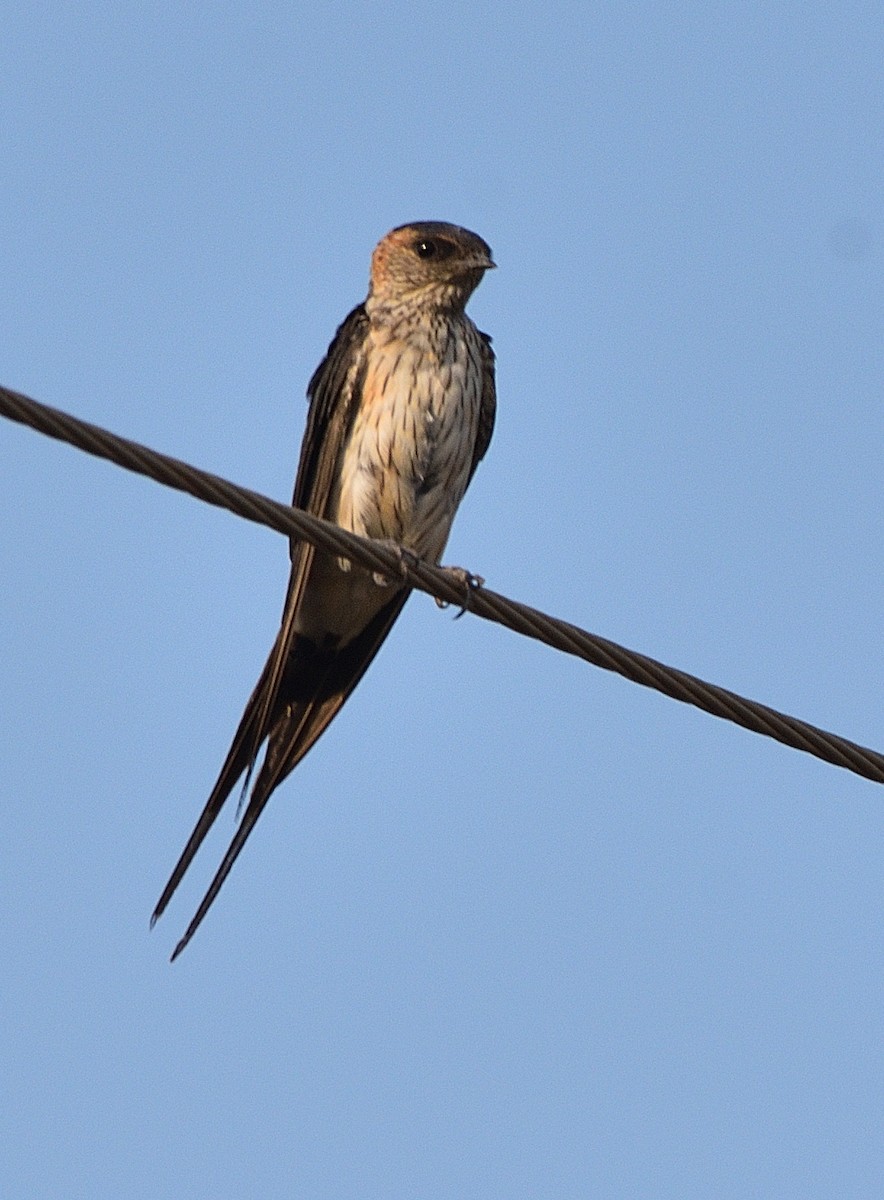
point(401, 411)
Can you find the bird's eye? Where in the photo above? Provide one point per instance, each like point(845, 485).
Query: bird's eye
point(433, 248)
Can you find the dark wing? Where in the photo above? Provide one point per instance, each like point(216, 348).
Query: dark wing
point(333, 392)
point(487, 404)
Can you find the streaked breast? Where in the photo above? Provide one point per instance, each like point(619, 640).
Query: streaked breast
point(406, 464)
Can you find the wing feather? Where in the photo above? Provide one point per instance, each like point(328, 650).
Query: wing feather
point(333, 393)
point(487, 403)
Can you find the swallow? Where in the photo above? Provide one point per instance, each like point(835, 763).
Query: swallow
point(401, 411)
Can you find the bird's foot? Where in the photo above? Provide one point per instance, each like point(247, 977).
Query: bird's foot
point(405, 558)
point(465, 580)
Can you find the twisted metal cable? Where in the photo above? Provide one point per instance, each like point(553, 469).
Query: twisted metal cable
point(446, 585)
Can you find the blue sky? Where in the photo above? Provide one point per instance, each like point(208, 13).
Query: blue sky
point(515, 928)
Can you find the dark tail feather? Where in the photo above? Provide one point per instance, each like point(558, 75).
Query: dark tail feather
point(289, 742)
point(240, 758)
point(239, 840)
point(329, 681)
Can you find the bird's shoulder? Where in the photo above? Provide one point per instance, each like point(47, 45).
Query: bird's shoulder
point(487, 401)
point(333, 395)
point(341, 357)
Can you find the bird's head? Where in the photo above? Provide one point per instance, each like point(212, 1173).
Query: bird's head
point(428, 263)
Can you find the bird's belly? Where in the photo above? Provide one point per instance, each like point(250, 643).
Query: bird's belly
point(407, 462)
point(338, 603)
point(402, 474)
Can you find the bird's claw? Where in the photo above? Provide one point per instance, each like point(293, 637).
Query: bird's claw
point(463, 579)
point(405, 558)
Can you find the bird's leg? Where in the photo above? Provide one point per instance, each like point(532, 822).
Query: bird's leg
point(463, 579)
point(405, 558)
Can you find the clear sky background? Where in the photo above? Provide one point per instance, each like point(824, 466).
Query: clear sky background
point(516, 928)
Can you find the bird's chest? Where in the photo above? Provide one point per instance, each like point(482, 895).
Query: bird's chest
point(406, 463)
